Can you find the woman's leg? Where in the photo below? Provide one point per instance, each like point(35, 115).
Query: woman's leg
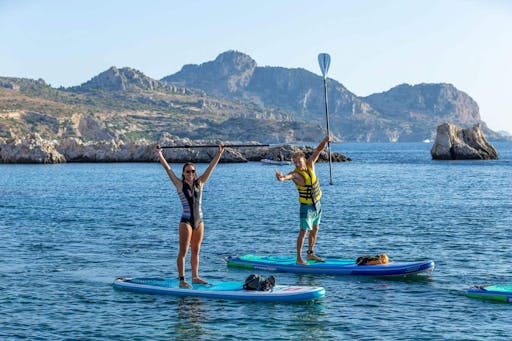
point(197, 239)
point(185, 231)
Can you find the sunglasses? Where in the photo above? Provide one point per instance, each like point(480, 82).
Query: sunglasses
point(190, 171)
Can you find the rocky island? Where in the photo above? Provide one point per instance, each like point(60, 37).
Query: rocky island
point(454, 143)
point(34, 149)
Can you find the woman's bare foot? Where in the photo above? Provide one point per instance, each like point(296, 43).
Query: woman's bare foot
point(198, 280)
point(184, 284)
point(301, 261)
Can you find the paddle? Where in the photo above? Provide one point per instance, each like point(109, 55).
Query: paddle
point(216, 145)
point(324, 60)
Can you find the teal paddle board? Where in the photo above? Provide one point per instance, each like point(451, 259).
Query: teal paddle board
point(330, 266)
point(220, 290)
point(502, 293)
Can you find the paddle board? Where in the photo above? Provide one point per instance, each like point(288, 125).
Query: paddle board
point(330, 266)
point(220, 290)
point(275, 162)
point(501, 293)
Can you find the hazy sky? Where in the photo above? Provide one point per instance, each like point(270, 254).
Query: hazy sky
point(374, 44)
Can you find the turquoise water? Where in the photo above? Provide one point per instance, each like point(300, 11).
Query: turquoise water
point(67, 231)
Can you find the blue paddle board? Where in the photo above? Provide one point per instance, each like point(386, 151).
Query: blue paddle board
point(502, 293)
point(220, 290)
point(330, 266)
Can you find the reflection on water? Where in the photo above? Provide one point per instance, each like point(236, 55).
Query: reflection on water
point(191, 317)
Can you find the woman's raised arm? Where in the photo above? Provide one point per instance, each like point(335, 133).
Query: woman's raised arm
point(206, 175)
point(174, 179)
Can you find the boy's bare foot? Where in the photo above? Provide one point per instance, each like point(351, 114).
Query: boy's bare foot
point(314, 257)
point(185, 285)
point(197, 280)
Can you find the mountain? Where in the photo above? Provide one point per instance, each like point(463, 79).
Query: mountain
point(229, 98)
point(404, 113)
point(125, 104)
point(235, 76)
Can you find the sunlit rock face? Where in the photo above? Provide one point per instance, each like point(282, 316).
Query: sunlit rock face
point(455, 143)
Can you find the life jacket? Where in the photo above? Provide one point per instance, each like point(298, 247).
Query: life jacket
point(310, 193)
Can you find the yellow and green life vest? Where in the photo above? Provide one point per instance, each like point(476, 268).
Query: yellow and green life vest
point(310, 193)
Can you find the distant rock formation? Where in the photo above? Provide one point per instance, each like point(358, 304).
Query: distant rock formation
point(33, 149)
point(455, 143)
point(126, 78)
point(75, 150)
point(229, 73)
point(279, 152)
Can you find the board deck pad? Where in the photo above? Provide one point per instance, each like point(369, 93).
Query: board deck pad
point(330, 266)
point(219, 289)
point(502, 293)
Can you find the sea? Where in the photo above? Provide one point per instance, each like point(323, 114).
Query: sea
point(68, 230)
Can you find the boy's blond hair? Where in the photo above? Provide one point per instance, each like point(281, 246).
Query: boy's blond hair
point(298, 155)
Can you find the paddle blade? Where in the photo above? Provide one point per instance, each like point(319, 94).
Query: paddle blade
point(324, 60)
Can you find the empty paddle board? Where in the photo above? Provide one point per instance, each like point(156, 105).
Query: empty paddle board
point(501, 293)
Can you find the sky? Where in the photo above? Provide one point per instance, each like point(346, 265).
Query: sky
point(374, 45)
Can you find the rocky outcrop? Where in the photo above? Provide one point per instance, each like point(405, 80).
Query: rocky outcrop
point(126, 78)
point(33, 149)
point(228, 74)
point(75, 150)
point(30, 149)
point(278, 152)
point(455, 143)
point(433, 101)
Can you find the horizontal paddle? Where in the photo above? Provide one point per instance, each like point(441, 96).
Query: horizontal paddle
point(216, 145)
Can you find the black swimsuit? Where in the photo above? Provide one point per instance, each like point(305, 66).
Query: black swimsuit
point(191, 201)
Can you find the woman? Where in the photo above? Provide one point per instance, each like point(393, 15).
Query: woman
point(191, 228)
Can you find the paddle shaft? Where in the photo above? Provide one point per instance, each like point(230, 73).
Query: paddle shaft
point(216, 145)
point(328, 131)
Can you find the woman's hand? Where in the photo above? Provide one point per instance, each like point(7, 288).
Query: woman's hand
point(158, 149)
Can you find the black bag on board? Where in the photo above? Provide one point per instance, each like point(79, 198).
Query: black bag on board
point(259, 283)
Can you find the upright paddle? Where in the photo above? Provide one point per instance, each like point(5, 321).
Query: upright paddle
point(324, 60)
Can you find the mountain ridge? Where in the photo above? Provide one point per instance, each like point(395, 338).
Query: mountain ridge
point(229, 98)
point(354, 118)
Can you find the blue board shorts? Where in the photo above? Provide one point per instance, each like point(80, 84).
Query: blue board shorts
point(310, 216)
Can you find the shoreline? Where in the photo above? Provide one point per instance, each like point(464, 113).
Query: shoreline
point(33, 149)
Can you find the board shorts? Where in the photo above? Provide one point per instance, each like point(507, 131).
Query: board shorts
point(309, 216)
